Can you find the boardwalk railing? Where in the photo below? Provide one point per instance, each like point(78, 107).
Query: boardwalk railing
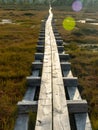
point(52, 89)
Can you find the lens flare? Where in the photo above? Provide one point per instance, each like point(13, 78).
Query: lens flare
point(69, 23)
point(77, 5)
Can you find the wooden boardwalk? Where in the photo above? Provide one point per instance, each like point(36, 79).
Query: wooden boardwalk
point(52, 105)
point(52, 89)
point(44, 114)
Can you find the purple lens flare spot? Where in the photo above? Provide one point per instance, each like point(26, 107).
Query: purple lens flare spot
point(77, 5)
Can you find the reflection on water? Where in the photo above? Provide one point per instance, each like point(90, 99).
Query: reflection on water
point(94, 23)
point(89, 21)
point(6, 21)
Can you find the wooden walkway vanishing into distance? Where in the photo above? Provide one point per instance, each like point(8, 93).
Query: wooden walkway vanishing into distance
point(59, 105)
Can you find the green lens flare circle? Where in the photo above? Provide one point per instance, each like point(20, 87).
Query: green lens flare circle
point(69, 23)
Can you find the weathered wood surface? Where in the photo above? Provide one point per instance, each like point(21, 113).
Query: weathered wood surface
point(37, 65)
point(44, 114)
point(40, 48)
point(82, 120)
point(35, 73)
point(77, 106)
point(60, 111)
point(31, 81)
point(26, 106)
point(52, 106)
point(22, 122)
point(29, 96)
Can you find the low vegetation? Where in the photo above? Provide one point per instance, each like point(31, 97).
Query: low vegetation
point(84, 61)
point(83, 33)
point(17, 47)
point(85, 67)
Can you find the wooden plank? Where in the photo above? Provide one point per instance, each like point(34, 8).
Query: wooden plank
point(29, 96)
point(77, 106)
point(22, 122)
point(66, 66)
point(32, 81)
point(25, 106)
point(37, 65)
point(70, 81)
point(60, 112)
point(44, 114)
point(67, 73)
point(73, 93)
point(56, 34)
point(35, 73)
point(40, 43)
point(40, 48)
point(39, 56)
point(58, 38)
point(81, 119)
point(59, 41)
point(63, 57)
point(41, 37)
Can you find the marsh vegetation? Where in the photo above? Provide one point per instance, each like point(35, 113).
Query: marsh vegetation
point(82, 45)
point(17, 48)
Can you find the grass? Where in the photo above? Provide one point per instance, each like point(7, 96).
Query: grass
point(82, 33)
point(84, 61)
point(17, 48)
point(85, 67)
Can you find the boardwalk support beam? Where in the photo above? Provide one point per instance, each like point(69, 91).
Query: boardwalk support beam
point(77, 106)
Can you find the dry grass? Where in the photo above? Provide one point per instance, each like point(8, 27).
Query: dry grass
point(17, 48)
point(84, 62)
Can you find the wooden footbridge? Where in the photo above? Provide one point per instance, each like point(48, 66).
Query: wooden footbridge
point(59, 105)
